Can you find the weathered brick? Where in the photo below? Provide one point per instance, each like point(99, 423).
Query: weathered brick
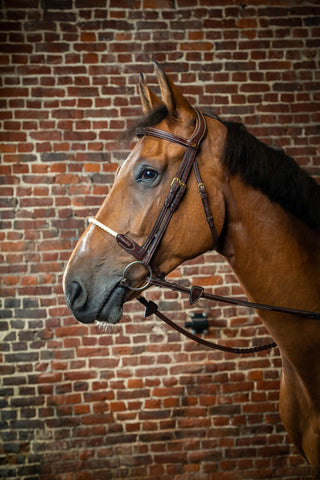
point(69, 83)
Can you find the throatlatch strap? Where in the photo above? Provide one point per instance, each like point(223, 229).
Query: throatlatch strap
point(205, 203)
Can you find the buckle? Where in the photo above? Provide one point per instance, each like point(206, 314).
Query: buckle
point(181, 184)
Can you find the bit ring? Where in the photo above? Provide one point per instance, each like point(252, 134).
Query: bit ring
point(125, 281)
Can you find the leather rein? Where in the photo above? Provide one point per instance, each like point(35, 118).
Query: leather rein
point(144, 254)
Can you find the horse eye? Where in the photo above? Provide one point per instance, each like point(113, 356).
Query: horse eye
point(148, 174)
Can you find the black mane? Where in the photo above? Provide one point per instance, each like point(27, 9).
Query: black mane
point(272, 172)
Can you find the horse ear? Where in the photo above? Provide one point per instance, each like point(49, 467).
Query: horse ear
point(149, 100)
point(171, 95)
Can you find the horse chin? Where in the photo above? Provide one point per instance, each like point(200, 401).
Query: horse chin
point(111, 310)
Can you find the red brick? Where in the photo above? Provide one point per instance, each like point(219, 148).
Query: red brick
point(88, 37)
point(13, 92)
point(71, 84)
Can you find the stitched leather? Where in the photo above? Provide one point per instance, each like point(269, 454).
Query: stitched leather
point(151, 308)
point(170, 137)
point(177, 189)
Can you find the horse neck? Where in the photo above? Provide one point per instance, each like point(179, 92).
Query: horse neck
point(276, 259)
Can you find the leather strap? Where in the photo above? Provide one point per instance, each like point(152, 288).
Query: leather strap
point(170, 137)
point(195, 293)
point(151, 308)
point(205, 203)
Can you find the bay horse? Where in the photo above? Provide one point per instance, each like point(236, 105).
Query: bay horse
point(256, 207)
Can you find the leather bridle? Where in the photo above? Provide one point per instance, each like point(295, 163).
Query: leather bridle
point(145, 254)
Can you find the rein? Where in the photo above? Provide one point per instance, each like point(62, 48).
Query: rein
point(152, 308)
point(195, 293)
point(144, 254)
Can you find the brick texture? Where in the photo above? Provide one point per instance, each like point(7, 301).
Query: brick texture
point(136, 400)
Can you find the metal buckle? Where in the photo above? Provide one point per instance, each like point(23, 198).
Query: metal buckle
point(125, 282)
point(181, 184)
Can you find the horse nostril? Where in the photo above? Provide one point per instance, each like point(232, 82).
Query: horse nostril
point(77, 295)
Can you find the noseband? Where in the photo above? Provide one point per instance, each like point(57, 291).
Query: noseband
point(145, 253)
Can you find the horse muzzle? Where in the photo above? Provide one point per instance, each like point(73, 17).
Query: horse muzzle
point(100, 297)
point(104, 303)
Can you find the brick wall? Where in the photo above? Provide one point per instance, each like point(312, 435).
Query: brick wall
point(135, 400)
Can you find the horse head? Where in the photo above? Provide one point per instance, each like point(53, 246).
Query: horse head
point(92, 280)
point(261, 211)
